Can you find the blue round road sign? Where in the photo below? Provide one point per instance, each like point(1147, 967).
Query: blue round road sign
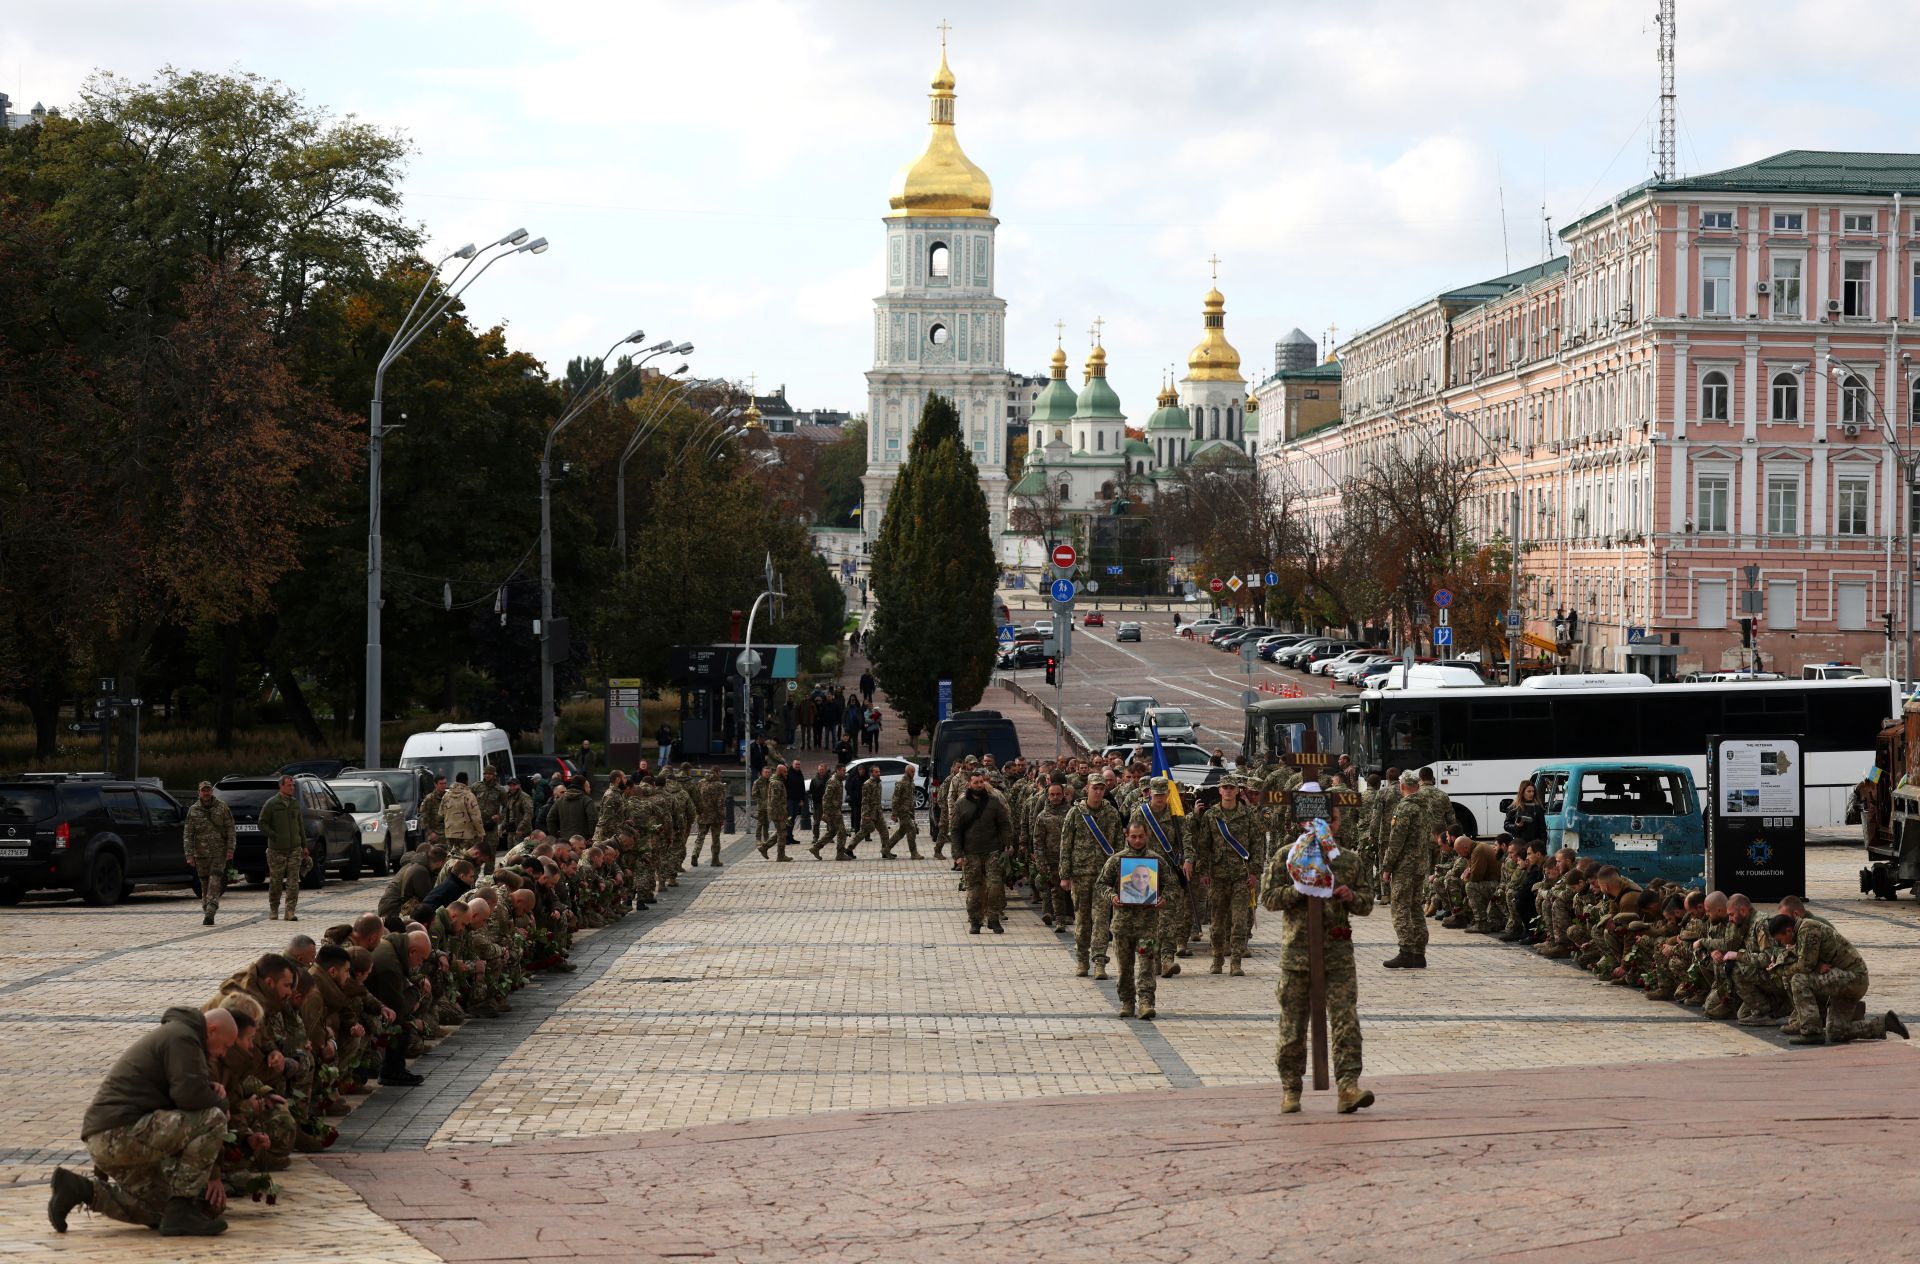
point(1443, 598)
point(1273, 579)
point(1062, 590)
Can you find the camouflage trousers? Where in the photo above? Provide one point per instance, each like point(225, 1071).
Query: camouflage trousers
point(1409, 924)
point(909, 830)
point(701, 834)
point(834, 835)
point(870, 824)
point(1046, 883)
point(1343, 1018)
point(1089, 923)
point(213, 882)
point(1232, 918)
point(1140, 959)
point(167, 1154)
point(986, 881)
point(1480, 902)
point(1829, 1002)
point(283, 878)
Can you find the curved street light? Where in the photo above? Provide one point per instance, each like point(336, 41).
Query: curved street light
point(411, 327)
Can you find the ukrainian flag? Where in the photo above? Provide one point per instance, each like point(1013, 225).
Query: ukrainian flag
point(1162, 769)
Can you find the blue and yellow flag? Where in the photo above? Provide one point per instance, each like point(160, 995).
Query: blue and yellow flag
point(1162, 769)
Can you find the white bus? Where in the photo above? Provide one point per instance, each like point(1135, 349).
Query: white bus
point(1480, 743)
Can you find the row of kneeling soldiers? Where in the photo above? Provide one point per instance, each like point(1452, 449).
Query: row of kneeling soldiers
point(1790, 969)
point(214, 1100)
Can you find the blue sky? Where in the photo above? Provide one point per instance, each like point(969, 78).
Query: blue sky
point(716, 171)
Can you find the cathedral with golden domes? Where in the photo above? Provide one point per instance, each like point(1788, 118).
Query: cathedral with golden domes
point(939, 328)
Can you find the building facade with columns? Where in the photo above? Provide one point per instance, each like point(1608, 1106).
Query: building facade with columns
point(939, 327)
point(1701, 389)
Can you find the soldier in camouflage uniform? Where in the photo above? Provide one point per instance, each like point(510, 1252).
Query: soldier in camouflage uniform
point(758, 799)
point(1046, 828)
point(1140, 932)
point(1091, 835)
point(712, 800)
point(1405, 862)
point(1164, 828)
point(777, 827)
point(285, 831)
point(209, 839)
point(492, 798)
point(870, 819)
point(1352, 897)
point(833, 815)
point(516, 814)
point(1221, 842)
point(612, 817)
point(903, 809)
point(676, 809)
point(430, 818)
point(1827, 979)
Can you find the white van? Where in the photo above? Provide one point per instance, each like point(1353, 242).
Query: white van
point(457, 748)
point(1422, 676)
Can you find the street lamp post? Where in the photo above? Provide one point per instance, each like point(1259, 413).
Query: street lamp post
point(589, 393)
point(414, 324)
point(640, 432)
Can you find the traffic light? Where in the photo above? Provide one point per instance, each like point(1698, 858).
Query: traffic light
point(1888, 617)
point(1746, 633)
point(1053, 666)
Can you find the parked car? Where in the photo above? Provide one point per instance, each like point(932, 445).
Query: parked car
point(1127, 632)
point(1125, 716)
point(1370, 676)
point(1292, 654)
point(1644, 819)
point(1201, 629)
point(333, 839)
point(1325, 666)
point(94, 835)
point(1349, 671)
point(409, 788)
point(1022, 636)
point(1332, 649)
point(1241, 636)
point(1224, 631)
point(457, 748)
point(1190, 765)
point(1022, 654)
point(381, 821)
point(892, 768)
point(1094, 619)
point(321, 768)
point(1172, 723)
point(1829, 671)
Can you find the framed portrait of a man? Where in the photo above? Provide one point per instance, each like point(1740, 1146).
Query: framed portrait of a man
point(1139, 881)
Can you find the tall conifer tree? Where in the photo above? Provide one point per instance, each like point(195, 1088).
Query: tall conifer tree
point(934, 576)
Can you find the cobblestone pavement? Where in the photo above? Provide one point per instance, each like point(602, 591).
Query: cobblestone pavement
point(762, 992)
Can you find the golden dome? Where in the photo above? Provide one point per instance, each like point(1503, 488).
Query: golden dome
point(1097, 362)
point(1059, 364)
point(751, 418)
point(1214, 360)
point(1169, 398)
point(942, 181)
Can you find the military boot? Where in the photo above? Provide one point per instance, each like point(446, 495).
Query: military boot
point(762, 849)
point(1146, 1012)
point(1398, 961)
point(70, 1190)
point(1290, 1100)
point(1126, 1009)
point(1353, 1097)
point(780, 853)
point(1100, 968)
point(1219, 963)
point(1235, 969)
point(814, 851)
point(1080, 971)
point(188, 1218)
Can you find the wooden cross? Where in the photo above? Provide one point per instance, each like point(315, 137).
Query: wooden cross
point(943, 28)
point(1213, 262)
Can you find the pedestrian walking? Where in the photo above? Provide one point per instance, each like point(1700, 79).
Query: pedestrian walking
point(867, 686)
point(873, 731)
point(209, 837)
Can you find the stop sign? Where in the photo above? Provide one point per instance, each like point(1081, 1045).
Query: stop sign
point(1064, 556)
point(1214, 585)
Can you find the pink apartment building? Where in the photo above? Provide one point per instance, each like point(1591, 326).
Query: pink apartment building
point(1702, 384)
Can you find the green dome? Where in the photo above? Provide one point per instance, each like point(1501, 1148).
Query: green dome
point(1055, 403)
point(1169, 416)
point(1098, 402)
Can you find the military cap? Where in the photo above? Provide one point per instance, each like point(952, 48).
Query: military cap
point(1411, 777)
point(1157, 786)
point(515, 779)
point(206, 785)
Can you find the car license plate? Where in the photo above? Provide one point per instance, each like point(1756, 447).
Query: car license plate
point(14, 853)
point(246, 829)
point(1636, 842)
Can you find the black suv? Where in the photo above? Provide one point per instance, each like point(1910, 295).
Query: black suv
point(92, 834)
point(333, 840)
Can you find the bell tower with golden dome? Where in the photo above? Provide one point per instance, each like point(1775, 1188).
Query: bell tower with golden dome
point(1213, 393)
point(938, 327)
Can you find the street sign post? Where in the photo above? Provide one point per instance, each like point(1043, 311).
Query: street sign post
point(1233, 582)
point(1093, 585)
point(946, 698)
point(1443, 636)
point(1273, 577)
point(1215, 585)
point(1443, 598)
point(1440, 616)
point(1062, 591)
point(1513, 620)
point(1064, 556)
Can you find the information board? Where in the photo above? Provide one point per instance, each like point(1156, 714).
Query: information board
point(1756, 816)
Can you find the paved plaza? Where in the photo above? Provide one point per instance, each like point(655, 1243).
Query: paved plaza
point(767, 1016)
